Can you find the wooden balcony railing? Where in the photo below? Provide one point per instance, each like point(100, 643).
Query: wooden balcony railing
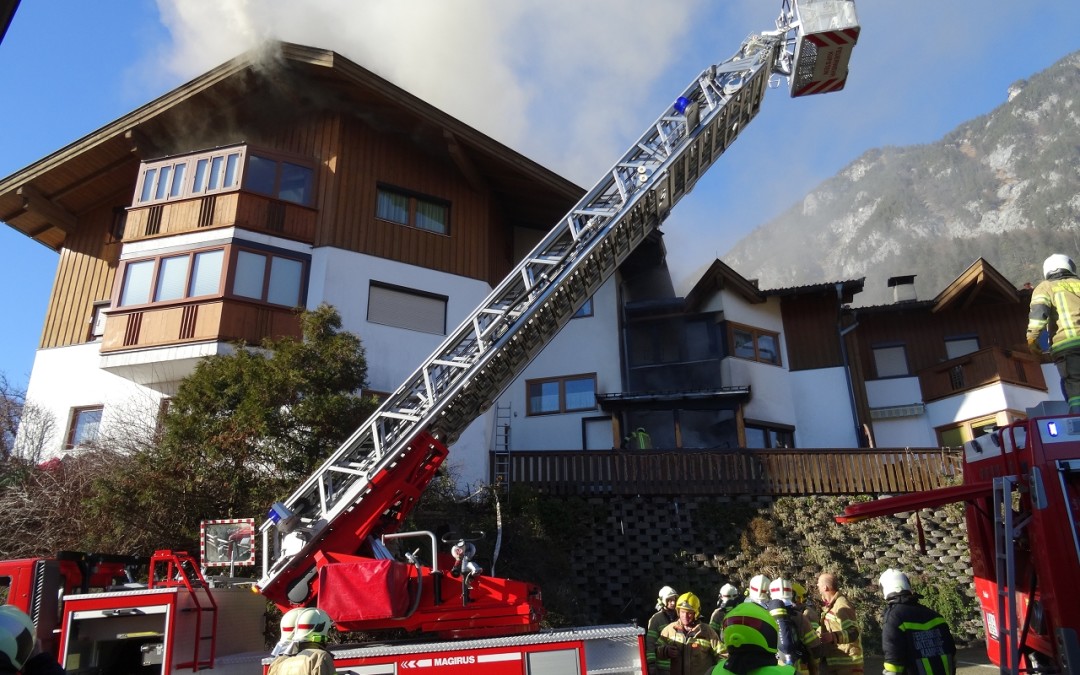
point(250, 211)
point(986, 366)
point(734, 472)
point(222, 320)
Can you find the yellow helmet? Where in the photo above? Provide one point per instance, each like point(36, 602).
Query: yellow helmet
point(689, 601)
point(748, 623)
point(800, 592)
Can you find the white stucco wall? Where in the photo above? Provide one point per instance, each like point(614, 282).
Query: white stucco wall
point(823, 416)
point(585, 345)
point(904, 432)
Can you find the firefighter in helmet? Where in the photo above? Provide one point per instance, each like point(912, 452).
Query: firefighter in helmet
point(665, 614)
point(285, 645)
point(19, 649)
point(687, 646)
point(729, 597)
point(915, 639)
point(309, 632)
point(750, 635)
point(1055, 307)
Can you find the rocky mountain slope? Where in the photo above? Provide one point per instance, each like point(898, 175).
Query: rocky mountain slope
point(1004, 186)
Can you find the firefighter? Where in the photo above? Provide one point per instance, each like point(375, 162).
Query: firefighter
point(729, 597)
point(1055, 306)
point(665, 614)
point(310, 635)
point(841, 643)
point(808, 621)
point(285, 645)
point(19, 649)
point(687, 646)
point(758, 590)
point(916, 640)
point(750, 634)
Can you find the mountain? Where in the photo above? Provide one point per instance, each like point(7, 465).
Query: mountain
point(1004, 186)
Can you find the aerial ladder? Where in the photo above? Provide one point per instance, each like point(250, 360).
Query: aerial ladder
point(326, 543)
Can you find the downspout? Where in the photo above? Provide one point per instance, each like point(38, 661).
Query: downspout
point(842, 331)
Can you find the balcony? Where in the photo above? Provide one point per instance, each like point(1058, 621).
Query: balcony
point(253, 212)
point(733, 472)
point(992, 365)
point(216, 320)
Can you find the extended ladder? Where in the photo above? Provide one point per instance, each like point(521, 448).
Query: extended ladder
point(492, 345)
point(1006, 531)
point(501, 450)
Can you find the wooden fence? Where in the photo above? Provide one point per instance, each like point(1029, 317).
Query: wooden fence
point(734, 472)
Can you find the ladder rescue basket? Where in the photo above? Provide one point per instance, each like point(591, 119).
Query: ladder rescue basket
point(828, 30)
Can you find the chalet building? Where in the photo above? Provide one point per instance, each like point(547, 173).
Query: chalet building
point(291, 177)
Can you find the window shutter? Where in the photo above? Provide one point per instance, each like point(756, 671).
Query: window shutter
point(403, 309)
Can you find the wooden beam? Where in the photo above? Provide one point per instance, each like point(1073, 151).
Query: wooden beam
point(142, 146)
point(463, 163)
point(104, 171)
point(57, 215)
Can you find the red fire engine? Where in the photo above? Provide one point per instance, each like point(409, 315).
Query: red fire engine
point(1022, 492)
point(327, 543)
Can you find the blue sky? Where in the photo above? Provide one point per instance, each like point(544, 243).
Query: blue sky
point(567, 83)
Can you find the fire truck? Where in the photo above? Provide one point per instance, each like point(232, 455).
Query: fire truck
point(329, 543)
point(1021, 488)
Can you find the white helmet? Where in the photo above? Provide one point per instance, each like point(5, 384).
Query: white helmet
point(666, 593)
point(758, 590)
point(312, 625)
point(16, 635)
point(781, 589)
point(728, 592)
point(285, 643)
point(893, 581)
point(1056, 262)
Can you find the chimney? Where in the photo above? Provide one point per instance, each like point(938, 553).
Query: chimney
point(903, 288)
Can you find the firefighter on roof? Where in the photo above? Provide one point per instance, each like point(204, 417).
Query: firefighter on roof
point(750, 635)
point(1055, 307)
point(687, 646)
point(915, 639)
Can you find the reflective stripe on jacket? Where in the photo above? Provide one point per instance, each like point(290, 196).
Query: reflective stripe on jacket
point(698, 645)
point(916, 639)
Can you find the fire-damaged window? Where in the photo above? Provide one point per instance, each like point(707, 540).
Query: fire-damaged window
point(755, 344)
point(570, 393)
point(672, 340)
point(768, 435)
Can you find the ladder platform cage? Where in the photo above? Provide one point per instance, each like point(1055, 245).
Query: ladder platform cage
point(828, 31)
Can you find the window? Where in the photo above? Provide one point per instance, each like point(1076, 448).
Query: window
point(85, 423)
point(754, 344)
point(890, 361)
point(172, 277)
point(269, 278)
point(221, 170)
point(561, 394)
point(956, 435)
point(764, 435)
point(584, 310)
point(406, 308)
point(97, 320)
point(959, 346)
point(406, 208)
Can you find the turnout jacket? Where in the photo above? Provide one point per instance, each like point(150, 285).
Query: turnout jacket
point(915, 639)
point(698, 649)
point(1055, 306)
point(838, 617)
point(656, 624)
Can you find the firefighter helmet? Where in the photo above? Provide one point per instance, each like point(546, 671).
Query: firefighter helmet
point(728, 592)
point(800, 592)
point(16, 635)
point(758, 591)
point(749, 623)
point(690, 602)
point(893, 581)
point(781, 589)
point(1058, 261)
point(666, 593)
point(285, 643)
point(312, 625)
